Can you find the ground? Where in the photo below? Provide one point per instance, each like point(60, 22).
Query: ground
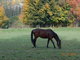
point(15, 44)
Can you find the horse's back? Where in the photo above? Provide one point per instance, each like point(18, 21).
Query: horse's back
point(41, 32)
point(45, 30)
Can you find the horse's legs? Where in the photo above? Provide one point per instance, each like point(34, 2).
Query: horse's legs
point(35, 42)
point(48, 43)
point(53, 43)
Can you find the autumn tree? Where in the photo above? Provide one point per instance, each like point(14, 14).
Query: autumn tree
point(3, 17)
point(24, 13)
point(75, 10)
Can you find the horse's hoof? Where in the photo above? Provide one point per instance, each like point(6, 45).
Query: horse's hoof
point(32, 47)
point(59, 48)
point(47, 47)
point(54, 47)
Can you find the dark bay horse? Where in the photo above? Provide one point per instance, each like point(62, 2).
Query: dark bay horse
point(45, 33)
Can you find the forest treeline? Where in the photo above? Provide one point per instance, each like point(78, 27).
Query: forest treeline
point(42, 13)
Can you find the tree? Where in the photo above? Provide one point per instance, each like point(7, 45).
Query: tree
point(3, 17)
point(46, 13)
point(24, 13)
point(75, 10)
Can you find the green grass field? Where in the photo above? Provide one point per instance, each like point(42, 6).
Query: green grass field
point(15, 44)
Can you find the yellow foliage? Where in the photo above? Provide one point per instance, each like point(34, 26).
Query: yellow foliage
point(66, 12)
point(24, 21)
point(1, 11)
point(26, 5)
point(6, 18)
point(41, 10)
point(50, 13)
point(2, 15)
point(47, 6)
point(1, 22)
point(37, 1)
point(62, 14)
point(19, 1)
point(26, 1)
point(13, 2)
point(52, 1)
point(22, 18)
point(25, 9)
point(58, 8)
point(71, 21)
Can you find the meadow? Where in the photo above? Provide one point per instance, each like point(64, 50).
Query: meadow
point(15, 44)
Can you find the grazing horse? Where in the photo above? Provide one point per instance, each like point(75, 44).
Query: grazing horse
point(45, 33)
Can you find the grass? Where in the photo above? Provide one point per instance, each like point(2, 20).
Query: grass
point(15, 44)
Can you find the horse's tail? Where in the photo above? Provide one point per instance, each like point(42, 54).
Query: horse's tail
point(32, 40)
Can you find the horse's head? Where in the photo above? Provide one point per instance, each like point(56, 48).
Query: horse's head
point(59, 44)
point(57, 39)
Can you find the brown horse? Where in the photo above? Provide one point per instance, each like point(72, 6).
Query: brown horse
point(45, 33)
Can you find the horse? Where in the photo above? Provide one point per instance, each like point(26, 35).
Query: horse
point(45, 33)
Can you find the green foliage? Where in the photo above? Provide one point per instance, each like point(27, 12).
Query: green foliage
point(5, 25)
point(13, 19)
point(9, 22)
